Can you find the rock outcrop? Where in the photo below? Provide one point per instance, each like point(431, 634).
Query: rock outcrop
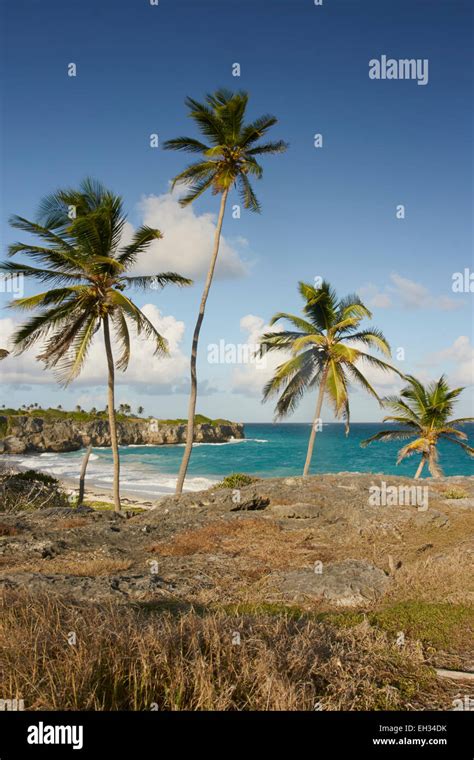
point(313, 542)
point(27, 434)
point(347, 584)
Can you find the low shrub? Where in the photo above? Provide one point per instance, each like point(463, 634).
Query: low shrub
point(236, 480)
point(30, 490)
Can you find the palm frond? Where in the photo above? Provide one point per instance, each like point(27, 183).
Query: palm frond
point(388, 435)
point(247, 194)
point(373, 338)
point(271, 148)
point(187, 144)
point(141, 322)
point(144, 282)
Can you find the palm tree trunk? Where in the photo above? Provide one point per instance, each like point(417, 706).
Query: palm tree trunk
point(82, 476)
point(193, 393)
point(420, 467)
point(111, 407)
point(317, 415)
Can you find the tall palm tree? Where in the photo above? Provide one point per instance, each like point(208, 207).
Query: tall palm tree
point(324, 354)
point(425, 411)
point(227, 159)
point(83, 260)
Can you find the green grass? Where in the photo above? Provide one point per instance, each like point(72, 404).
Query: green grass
point(107, 506)
point(440, 625)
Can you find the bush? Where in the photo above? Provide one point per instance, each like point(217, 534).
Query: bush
point(456, 493)
point(34, 476)
point(30, 490)
point(236, 480)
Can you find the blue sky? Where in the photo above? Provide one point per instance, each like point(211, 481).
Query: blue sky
point(328, 211)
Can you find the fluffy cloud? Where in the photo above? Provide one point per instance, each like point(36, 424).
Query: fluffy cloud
point(250, 378)
point(146, 372)
point(460, 359)
point(187, 243)
point(406, 293)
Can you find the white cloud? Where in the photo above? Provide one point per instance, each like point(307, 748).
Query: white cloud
point(373, 297)
point(89, 400)
point(407, 294)
point(187, 243)
point(145, 372)
point(249, 379)
point(460, 358)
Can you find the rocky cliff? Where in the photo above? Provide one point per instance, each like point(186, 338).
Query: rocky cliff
point(25, 434)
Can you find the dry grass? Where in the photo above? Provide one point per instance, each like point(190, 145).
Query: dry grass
point(253, 538)
point(68, 566)
point(131, 659)
point(434, 578)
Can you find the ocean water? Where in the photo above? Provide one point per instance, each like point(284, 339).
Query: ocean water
point(269, 450)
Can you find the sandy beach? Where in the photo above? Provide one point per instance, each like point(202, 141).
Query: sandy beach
point(97, 494)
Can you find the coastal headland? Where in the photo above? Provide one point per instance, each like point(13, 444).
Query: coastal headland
point(53, 431)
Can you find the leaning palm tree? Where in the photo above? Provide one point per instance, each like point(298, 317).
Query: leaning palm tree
point(325, 351)
point(81, 256)
point(425, 411)
point(227, 159)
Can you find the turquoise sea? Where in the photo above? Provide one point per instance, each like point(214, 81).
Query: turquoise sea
point(269, 450)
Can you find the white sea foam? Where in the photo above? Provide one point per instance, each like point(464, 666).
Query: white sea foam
point(137, 477)
point(226, 443)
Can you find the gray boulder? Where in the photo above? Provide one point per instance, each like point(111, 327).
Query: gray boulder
point(348, 583)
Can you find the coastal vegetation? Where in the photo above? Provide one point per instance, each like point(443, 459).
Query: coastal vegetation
point(236, 480)
point(82, 258)
point(52, 413)
point(164, 659)
point(425, 411)
point(228, 158)
point(326, 349)
point(29, 490)
point(222, 603)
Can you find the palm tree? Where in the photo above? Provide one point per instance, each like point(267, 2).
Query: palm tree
point(83, 259)
point(425, 410)
point(324, 354)
point(227, 159)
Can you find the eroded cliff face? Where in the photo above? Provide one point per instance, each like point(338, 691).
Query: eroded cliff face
point(27, 434)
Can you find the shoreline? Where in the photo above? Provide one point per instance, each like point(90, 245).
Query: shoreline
point(97, 493)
